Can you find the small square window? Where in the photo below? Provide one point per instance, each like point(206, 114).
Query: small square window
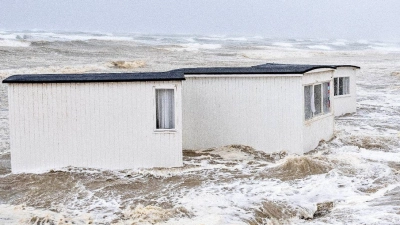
point(342, 86)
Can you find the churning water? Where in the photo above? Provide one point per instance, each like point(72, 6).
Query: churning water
point(352, 179)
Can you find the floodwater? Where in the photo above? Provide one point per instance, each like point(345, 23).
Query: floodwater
point(351, 179)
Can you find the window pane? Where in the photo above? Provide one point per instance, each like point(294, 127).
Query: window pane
point(346, 85)
point(326, 97)
point(340, 85)
point(317, 99)
point(307, 102)
point(335, 86)
point(165, 109)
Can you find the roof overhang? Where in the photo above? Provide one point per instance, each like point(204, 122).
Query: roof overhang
point(349, 66)
point(263, 70)
point(95, 77)
point(241, 75)
point(320, 70)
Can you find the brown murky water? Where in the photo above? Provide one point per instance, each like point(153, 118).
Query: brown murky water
point(351, 179)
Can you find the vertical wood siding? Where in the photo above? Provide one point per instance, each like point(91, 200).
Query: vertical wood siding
point(98, 125)
point(346, 103)
point(262, 112)
point(316, 130)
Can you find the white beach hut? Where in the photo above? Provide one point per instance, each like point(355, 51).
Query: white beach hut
point(345, 90)
point(123, 121)
point(271, 107)
point(110, 121)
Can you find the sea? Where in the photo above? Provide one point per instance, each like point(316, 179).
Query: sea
point(352, 179)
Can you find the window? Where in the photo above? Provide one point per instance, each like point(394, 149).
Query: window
point(326, 97)
point(165, 109)
point(316, 100)
point(307, 102)
point(342, 85)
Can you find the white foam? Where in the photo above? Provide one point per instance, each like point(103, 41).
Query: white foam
point(386, 48)
point(222, 38)
point(223, 197)
point(283, 44)
point(21, 214)
point(67, 69)
point(339, 43)
point(275, 53)
point(12, 43)
point(92, 37)
point(319, 47)
point(362, 41)
point(195, 47)
point(8, 36)
point(53, 36)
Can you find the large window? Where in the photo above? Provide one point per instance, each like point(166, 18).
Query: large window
point(316, 100)
point(165, 109)
point(342, 85)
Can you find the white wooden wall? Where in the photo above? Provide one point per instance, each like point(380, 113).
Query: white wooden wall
point(346, 103)
point(320, 127)
point(263, 112)
point(98, 125)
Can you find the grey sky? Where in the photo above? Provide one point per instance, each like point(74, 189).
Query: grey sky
point(349, 19)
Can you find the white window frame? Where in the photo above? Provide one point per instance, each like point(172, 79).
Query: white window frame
point(336, 89)
point(322, 114)
point(155, 88)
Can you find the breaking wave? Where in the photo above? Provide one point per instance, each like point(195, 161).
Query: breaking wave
point(320, 47)
point(195, 47)
point(14, 43)
point(298, 167)
point(190, 43)
point(352, 179)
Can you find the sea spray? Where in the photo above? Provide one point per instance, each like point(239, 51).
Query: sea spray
point(352, 179)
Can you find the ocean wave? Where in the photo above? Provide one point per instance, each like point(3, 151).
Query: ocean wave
point(338, 43)
point(92, 37)
point(222, 38)
point(319, 47)
point(12, 43)
point(356, 171)
point(283, 44)
point(195, 47)
point(386, 48)
point(50, 36)
point(362, 41)
point(189, 42)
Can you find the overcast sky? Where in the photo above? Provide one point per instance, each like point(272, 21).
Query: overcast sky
point(348, 19)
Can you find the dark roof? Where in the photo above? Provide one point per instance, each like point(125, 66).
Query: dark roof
point(95, 77)
point(268, 68)
point(355, 67)
point(179, 74)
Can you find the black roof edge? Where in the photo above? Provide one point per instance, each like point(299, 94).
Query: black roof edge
point(314, 66)
point(85, 81)
point(355, 67)
point(258, 69)
point(95, 77)
point(172, 75)
point(191, 71)
point(320, 67)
